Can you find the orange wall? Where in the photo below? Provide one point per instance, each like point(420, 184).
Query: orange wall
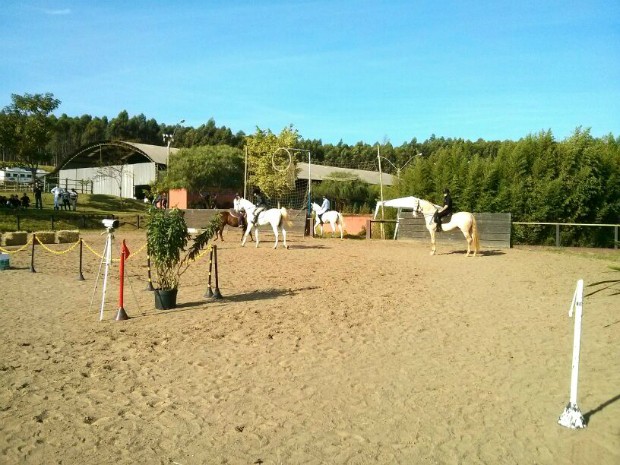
point(352, 224)
point(177, 198)
point(355, 224)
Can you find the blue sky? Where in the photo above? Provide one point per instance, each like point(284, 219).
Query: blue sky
point(348, 70)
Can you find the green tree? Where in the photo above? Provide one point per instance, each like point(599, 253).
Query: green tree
point(347, 192)
point(198, 168)
point(261, 147)
point(27, 128)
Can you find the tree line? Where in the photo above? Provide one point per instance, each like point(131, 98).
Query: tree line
point(536, 178)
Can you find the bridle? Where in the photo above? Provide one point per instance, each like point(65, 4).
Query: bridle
point(418, 210)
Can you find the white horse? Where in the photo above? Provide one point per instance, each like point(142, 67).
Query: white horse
point(465, 221)
point(331, 216)
point(276, 217)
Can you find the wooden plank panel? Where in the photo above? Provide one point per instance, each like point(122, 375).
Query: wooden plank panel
point(494, 230)
point(200, 218)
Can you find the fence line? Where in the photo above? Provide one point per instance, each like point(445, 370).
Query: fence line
point(557, 228)
point(138, 221)
point(524, 223)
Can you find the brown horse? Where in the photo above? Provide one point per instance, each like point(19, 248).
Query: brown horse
point(231, 219)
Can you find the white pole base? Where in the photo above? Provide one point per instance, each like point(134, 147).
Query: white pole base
point(571, 417)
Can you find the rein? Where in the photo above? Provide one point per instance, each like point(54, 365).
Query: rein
point(430, 216)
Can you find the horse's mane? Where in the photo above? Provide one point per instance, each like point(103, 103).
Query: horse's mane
point(243, 200)
point(426, 203)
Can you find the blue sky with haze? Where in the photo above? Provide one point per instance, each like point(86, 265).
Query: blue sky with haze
point(348, 70)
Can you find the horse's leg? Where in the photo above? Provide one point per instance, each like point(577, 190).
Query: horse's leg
point(275, 233)
point(245, 235)
point(255, 235)
point(468, 238)
point(284, 237)
point(432, 231)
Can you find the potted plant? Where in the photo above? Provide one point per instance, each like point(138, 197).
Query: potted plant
point(167, 239)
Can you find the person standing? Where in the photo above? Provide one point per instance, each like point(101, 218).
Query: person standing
point(66, 200)
point(57, 191)
point(445, 210)
point(38, 196)
point(73, 197)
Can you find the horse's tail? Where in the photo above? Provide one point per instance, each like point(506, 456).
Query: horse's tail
point(284, 217)
point(341, 221)
point(474, 234)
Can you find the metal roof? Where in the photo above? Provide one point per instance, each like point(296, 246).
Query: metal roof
point(322, 172)
point(117, 151)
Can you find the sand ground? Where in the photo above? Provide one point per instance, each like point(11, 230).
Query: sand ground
point(331, 352)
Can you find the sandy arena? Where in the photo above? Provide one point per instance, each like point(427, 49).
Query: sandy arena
point(332, 352)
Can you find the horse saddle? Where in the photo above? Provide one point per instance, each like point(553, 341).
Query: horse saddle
point(442, 220)
point(235, 214)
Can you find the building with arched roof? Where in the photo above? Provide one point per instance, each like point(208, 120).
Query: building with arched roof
point(114, 167)
point(128, 168)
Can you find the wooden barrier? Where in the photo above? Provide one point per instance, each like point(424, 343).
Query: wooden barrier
point(200, 218)
point(494, 229)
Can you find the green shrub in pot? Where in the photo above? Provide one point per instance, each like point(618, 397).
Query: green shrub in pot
point(167, 240)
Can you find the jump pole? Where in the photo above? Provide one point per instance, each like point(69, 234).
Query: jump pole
point(81, 275)
point(209, 292)
point(571, 417)
point(34, 240)
point(121, 315)
point(216, 293)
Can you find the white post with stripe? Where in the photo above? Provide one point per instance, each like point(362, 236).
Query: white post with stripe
point(572, 417)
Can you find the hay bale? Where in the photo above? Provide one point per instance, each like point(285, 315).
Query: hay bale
point(67, 237)
point(15, 238)
point(46, 237)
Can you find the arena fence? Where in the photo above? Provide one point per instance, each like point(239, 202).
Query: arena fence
point(494, 229)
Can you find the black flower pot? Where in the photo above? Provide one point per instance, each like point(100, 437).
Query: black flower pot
point(165, 299)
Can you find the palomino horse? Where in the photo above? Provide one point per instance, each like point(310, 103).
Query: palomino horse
point(230, 219)
point(331, 216)
point(276, 217)
point(465, 221)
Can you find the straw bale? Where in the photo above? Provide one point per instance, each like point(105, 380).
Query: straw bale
point(66, 236)
point(15, 238)
point(46, 237)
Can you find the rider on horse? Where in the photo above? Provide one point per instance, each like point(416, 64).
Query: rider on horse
point(445, 210)
point(259, 201)
point(325, 207)
point(242, 219)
